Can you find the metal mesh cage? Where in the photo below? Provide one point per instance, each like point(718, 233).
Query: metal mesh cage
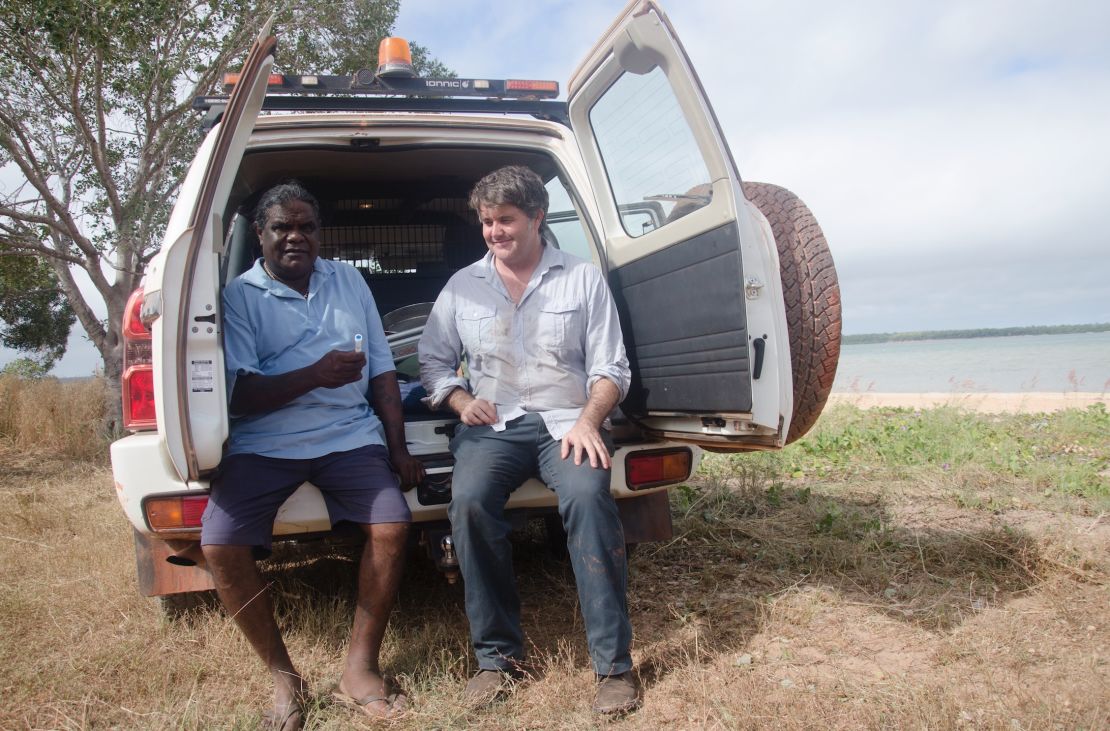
point(390, 247)
point(385, 249)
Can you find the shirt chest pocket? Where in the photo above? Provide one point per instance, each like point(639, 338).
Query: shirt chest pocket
point(558, 325)
point(476, 325)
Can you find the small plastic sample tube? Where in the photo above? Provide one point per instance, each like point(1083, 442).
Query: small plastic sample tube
point(358, 342)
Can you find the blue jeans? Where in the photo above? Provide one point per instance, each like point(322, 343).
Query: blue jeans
point(488, 466)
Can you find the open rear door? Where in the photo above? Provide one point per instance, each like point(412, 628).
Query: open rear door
point(697, 285)
point(188, 362)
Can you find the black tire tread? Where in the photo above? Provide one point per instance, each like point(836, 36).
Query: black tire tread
point(811, 292)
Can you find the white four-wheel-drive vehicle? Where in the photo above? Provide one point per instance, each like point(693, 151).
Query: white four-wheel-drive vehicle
point(726, 290)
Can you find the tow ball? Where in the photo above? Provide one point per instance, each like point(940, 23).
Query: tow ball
point(441, 549)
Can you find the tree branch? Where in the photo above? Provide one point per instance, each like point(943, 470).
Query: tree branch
point(23, 155)
point(96, 141)
point(19, 246)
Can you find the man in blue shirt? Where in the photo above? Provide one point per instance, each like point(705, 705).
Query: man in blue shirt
point(299, 412)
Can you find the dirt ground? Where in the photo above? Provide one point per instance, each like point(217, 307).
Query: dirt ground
point(812, 604)
point(1001, 623)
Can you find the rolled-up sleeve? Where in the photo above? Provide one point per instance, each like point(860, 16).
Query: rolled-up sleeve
point(605, 354)
point(441, 351)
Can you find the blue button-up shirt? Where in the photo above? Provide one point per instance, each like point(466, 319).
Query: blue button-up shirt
point(541, 355)
point(270, 329)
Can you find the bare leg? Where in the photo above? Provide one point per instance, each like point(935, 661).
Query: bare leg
point(247, 600)
point(379, 575)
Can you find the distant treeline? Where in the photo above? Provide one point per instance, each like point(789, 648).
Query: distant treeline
point(983, 332)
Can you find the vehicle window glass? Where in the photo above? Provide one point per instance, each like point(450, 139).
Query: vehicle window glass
point(564, 222)
point(640, 221)
point(656, 171)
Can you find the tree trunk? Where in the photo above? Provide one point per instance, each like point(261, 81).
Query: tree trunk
point(113, 371)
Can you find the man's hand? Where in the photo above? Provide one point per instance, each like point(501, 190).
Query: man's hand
point(585, 438)
point(407, 467)
point(477, 412)
point(338, 368)
point(259, 394)
point(472, 411)
point(385, 398)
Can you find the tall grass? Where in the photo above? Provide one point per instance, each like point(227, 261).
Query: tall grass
point(62, 418)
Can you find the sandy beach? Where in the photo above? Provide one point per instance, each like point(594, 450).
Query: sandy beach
point(994, 403)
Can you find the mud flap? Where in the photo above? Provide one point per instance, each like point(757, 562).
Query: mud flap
point(157, 577)
point(646, 518)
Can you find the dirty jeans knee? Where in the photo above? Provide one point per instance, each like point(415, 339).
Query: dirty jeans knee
point(595, 542)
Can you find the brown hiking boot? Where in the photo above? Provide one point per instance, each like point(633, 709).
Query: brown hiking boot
point(617, 694)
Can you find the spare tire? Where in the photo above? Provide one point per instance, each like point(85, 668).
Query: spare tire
point(812, 296)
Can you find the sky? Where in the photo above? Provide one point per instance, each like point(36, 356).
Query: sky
point(956, 154)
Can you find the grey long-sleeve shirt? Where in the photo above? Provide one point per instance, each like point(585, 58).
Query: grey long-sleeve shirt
point(541, 355)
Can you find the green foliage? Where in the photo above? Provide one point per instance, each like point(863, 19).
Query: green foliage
point(27, 368)
point(34, 316)
point(1065, 452)
point(340, 37)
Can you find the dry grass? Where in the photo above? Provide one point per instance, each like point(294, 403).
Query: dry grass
point(60, 418)
point(861, 600)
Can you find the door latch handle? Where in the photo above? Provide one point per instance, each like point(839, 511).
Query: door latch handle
point(759, 345)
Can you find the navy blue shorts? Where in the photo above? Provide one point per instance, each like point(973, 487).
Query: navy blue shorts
point(358, 486)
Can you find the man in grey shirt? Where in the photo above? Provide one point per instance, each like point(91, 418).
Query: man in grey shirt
point(546, 365)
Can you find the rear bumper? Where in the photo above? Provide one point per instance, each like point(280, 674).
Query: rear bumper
point(142, 469)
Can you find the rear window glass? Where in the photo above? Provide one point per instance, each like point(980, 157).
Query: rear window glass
point(656, 171)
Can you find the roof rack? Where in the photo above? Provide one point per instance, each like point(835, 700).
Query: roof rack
point(366, 92)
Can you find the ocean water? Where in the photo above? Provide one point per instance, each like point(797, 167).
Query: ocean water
point(1016, 364)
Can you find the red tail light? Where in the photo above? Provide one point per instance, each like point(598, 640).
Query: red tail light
point(138, 370)
point(657, 467)
point(178, 512)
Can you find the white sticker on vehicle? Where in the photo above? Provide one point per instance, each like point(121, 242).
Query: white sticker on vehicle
point(202, 376)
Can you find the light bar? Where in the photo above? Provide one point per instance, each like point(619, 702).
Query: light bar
point(531, 85)
point(231, 79)
point(392, 79)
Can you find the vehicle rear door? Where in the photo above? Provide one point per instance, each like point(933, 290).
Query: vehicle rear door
point(188, 360)
point(649, 138)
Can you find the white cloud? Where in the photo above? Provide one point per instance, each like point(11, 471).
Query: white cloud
point(953, 134)
point(968, 137)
